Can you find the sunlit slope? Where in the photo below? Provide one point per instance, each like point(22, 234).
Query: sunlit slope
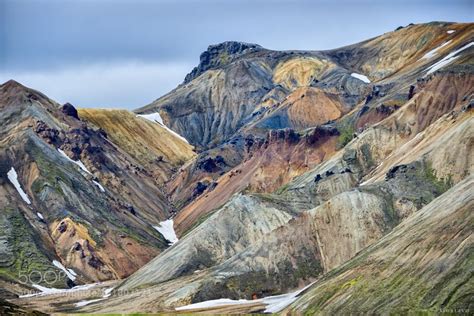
point(148, 142)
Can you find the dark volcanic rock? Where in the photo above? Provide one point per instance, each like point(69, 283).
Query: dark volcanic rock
point(95, 262)
point(62, 227)
point(286, 134)
point(207, 165)
point(77, 246)
point(199, 189)
point(70, 110)
point(211, 164)
point(411, 93)
point(219, 55)
point(70, 283)
point(321, 133)
point(50, 135)
point(385, 109)
point(400, 169)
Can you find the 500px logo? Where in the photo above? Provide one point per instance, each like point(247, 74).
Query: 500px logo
point(48, 276)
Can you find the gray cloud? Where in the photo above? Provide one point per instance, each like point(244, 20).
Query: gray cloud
point(113, 85)
point(43, 38)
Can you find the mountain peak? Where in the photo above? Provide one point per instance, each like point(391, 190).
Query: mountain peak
point(219, 55)
point(12, 88)
point(11, 84)
point(232, 47)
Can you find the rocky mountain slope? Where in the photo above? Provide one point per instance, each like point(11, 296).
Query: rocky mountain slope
point(72, 198)
point(423, 264)
point(347, 171)
point(154, 147)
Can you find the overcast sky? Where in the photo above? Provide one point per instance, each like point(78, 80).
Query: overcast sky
point(126, 53)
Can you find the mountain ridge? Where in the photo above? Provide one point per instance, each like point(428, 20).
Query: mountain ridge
point(300, 167)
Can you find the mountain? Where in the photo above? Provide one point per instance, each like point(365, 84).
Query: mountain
point(423, 264)
point(311, 181)
point(237, 85)
point(71, 198)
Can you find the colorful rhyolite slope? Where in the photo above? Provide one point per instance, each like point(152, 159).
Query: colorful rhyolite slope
point(320, 178)
point(76, 200)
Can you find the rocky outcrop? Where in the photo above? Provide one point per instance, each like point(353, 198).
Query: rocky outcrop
point(220, 55)
point(70, 110)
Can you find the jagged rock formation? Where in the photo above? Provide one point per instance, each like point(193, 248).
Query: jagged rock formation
point(350, 168)
point(220, 55)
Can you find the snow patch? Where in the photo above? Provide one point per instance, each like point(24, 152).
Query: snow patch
point(84, 303)
point(100, 186)
point(167, 230)
point(40, 215)
point(360, 77)
point(274, 304)
point(433, 52)
point(215, 303)
point(450, 31)
point(78, 162)
point(13, 177)
point(59, 265)
point(278, 302)
point(448, 59)
point(156, 118)
point(108, 292)
point(51, 291)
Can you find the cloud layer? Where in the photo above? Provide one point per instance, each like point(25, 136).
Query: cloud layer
point(135, 45)
point(115, 85)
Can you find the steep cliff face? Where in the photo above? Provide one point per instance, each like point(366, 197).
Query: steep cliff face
point(220, 55)
point(220, 102)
